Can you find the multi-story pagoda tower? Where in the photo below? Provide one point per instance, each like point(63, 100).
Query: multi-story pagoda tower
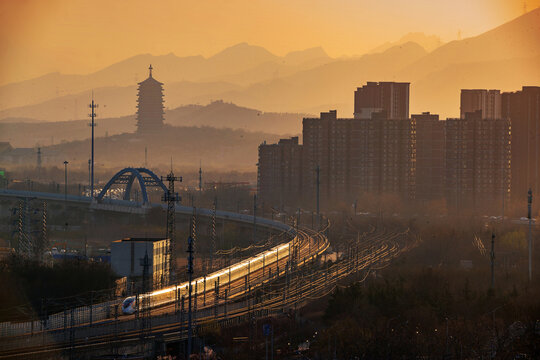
point(150, 105)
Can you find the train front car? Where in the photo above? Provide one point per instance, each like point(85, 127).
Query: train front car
point(129, 305)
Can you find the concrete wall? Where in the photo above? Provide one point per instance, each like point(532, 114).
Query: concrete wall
point(126, 257)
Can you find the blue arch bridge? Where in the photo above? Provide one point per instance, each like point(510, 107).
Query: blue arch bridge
point(127, 176)
point(146, 178)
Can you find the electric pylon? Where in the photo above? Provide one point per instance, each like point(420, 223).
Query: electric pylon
point(213, 244)
point(171, 197)
point(93, 124)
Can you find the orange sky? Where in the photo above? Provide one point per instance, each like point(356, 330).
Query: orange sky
point(74, 36)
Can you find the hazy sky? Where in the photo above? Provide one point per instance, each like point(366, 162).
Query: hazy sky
point(75, 36)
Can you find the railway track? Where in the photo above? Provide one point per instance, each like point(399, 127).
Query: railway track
point(285, 284)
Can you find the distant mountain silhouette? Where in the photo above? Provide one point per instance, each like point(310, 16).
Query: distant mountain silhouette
point(290, 64)
point(167, 68)
point(428, 42)
point(504, 58)
point(507, 75)
point(221, 114)
point(27, 133)
point(218, 149)
point(330, 84)
point(238, 58)
point(305, 56)
point(518, 38)
point(116, 101)
point(306, 81)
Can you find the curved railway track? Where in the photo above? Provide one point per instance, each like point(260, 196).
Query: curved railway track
point(285, 283)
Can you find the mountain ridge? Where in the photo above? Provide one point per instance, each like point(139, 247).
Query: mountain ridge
point(320, 81)
point(168, 68)
point(217, 114)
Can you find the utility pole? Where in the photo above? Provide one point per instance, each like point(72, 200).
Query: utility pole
point(193, 229)
point(43, 243)
point(65, 180)
point(171, 198)
point(38, 162)
point(93, 115)
point(22, 244)
point(190, 276)
point(200, 177)
point(89, 174)
point(529, 215)
point(492, 256)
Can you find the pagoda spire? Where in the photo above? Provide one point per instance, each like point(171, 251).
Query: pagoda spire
point(150, 104)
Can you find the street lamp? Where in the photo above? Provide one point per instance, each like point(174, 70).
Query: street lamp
point(65, 179)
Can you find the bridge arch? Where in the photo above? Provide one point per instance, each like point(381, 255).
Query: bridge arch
point(127, 176)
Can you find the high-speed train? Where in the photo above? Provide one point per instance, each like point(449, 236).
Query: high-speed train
point(129, 305)
point(223, 276)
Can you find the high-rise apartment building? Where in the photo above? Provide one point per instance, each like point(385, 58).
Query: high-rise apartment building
point(487, 101)
point(523, 109)
point(477, 163)
point(355, 156)
point(467, 160)
point(391, 97)
point(325, 141)
point(430, 156)
point(279, 178)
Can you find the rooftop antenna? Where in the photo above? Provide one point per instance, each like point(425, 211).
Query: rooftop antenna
point(150, 68)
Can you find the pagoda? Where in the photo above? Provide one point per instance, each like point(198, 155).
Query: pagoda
point(150, 105)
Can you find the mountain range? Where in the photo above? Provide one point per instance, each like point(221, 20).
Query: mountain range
point(218, 114)
point(307, 81)
point(239, 64)
point(428, 42)
point(222, 150)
